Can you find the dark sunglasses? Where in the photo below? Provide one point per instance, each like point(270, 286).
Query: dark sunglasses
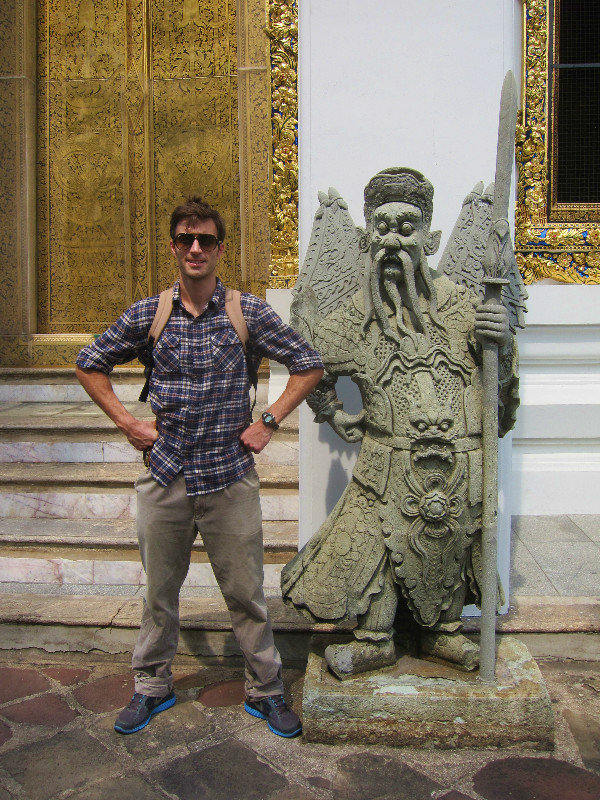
point(208, 242)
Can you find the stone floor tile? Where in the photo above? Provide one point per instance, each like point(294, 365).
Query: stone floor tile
point(130, 787)
point(5, 733)
point(183, 724)
point(586, 731)
point(227, 771)
point(49, 709)
point(589, 524)
point(106, 694)
point(535, 779)
point(223, 693)
point(547, 529)
point(68, 676)
point(572, 567)
point(294, 793)
point(364, 775)
point(66, 761)
point(453, 795)
point(526, 575)
point(16, 682)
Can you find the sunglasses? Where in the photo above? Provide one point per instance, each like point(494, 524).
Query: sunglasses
point(208, 242)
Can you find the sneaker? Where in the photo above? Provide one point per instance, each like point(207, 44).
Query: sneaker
point(140, 711)
point(280, 719)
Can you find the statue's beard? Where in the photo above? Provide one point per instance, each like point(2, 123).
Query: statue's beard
point(384, 278)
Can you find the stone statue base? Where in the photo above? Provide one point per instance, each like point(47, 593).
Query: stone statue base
point(420, 703)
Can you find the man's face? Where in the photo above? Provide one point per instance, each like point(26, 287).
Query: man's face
point(398, 238)
point(195, 263)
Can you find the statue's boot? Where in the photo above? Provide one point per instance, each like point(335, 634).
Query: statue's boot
point(455, 648)
point(347, 660)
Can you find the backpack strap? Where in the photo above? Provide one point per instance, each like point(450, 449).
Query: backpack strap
point(163, 312)
point(233, 307)
point(161, 317)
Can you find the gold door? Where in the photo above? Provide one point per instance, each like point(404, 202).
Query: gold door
point(137, 109)
point(114, 111)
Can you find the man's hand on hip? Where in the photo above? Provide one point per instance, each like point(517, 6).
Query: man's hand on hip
point(256, 436)
point(141, 433)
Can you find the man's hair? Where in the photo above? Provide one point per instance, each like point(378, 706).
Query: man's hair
point(399, 184)
point(196, 210)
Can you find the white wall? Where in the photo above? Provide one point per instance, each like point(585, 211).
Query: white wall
point(556, 442)
point(393, 83)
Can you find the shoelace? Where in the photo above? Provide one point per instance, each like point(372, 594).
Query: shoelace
point(278, 702)
point(136, 700)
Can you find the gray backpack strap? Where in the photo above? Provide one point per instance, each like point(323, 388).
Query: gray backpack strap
point(163, 312)
point(233, 307)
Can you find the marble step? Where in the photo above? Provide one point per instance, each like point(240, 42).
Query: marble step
point(72, 421)
point(105, 491)
point(114, 539)
point(25, 476)
point(74, 445)
point(93, 555)
point(61, 386)
point(276, 504)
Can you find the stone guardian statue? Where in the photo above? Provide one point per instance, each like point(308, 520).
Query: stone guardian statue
point(401, 551)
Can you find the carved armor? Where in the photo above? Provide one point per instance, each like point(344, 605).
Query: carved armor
point(412, 511)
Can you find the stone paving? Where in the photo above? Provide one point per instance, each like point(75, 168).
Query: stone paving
point(57, 742)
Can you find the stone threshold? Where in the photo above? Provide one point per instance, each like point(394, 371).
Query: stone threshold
point(554, 615)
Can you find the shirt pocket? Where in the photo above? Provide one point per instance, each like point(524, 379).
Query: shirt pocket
point(166, 355)
point(228, 353)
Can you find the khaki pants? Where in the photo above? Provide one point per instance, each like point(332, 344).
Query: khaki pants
point(230, 524)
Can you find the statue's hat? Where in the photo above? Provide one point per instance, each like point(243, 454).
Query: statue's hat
point(399, 184)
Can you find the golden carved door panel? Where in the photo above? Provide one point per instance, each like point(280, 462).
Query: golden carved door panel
point(137, 108)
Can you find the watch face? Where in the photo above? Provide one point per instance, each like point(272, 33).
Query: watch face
point(269, 420)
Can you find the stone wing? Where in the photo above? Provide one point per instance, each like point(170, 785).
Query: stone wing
point(331, 272)
point(462, 259)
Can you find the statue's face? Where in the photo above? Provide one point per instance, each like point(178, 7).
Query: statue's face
point(398, 238)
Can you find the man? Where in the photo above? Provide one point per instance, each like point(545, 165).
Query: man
point(402, 546)
point(201, 474)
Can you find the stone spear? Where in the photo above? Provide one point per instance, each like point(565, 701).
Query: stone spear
point(496, 263)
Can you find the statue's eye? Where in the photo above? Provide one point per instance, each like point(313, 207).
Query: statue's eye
point(422, 426)
point(444, 426)
point(382, 228)
point(406, 229)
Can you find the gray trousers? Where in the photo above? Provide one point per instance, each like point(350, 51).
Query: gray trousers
point(230, 524)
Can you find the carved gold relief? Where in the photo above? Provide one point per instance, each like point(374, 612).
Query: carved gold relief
point(567, 252)
point(283, 33)
point(150, 119)
point(138, 106)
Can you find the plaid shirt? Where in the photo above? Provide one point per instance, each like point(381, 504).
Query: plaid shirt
point(199, 388)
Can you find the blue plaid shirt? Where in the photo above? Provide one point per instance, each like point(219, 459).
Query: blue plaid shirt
point(199, 388)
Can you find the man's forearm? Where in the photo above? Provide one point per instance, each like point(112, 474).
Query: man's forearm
point(140, 433)
point(298, 387)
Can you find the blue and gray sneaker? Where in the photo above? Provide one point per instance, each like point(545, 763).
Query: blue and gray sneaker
point(140, 711)
point(280, 719)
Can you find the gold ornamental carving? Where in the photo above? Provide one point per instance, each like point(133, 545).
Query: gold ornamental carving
point(283, 33)
point(568, 252)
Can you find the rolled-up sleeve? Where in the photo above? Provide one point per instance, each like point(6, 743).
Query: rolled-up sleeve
point(270, 337)
point(123, 341)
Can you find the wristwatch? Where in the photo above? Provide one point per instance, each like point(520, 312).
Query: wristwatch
point(269, 420)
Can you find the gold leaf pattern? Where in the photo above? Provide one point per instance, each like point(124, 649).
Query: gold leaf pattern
point(567, 252)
